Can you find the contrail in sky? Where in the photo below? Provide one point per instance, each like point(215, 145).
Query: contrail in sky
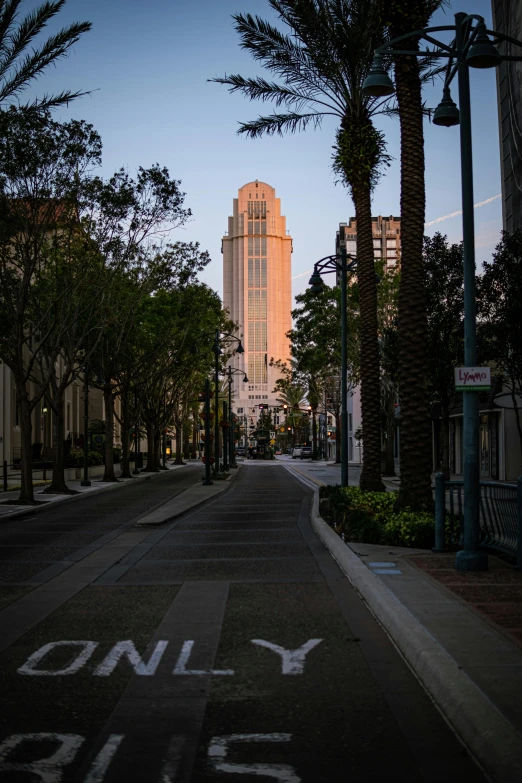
point(459, 212)
point(431, 223)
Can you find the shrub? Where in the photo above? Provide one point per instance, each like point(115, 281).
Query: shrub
point(369, 517)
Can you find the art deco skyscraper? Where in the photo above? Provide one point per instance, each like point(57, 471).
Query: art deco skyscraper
point(257, 289)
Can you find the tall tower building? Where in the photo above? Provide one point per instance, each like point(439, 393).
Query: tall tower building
point(257, 290)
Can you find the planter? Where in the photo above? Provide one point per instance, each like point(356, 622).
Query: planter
point(224, 424)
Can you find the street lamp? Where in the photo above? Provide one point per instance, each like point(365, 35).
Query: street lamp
point(230, 371)
point(220, 337)
point(335, 264)
point(471, 47)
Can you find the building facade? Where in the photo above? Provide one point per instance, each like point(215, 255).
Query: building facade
point(257, 291)
point(507, 19)
point(386, 233)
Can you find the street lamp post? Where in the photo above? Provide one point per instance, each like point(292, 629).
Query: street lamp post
point(471, 47)
point(335, 264)
point(218, 339)
point(229, 372)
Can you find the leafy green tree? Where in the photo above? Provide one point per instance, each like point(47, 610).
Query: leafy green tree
point(415, 488)
point(500, 324)
point(444, 270)
point(388, 289)
point(20, 65)
point(43, 167)
point(322, 65)
point(316, 346)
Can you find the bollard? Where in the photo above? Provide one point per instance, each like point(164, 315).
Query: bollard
point(519, 520)
point(5, 475)
point(440, 513)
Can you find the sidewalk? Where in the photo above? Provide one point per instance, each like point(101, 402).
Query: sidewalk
point(461, 633)
point(195, 495)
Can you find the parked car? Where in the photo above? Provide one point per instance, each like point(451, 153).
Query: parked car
point(306, 452)
point(296, 452)
point(278, 451)
point(240, 451)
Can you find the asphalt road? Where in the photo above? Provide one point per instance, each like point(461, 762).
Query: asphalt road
point(225, 645)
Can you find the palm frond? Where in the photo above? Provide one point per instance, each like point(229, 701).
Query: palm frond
point(278, 123)
point(261, 89)
point(16, 73)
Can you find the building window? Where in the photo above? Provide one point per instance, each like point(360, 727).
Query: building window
point(351, 246)
point(391, 243)
point(240, 410)
point(250, 227)
point(376, 244)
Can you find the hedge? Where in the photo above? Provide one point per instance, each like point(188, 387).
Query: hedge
point(369, 517)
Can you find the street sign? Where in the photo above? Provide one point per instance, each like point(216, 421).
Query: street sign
point(472, 378)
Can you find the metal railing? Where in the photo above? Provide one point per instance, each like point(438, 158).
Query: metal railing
point(500, 513)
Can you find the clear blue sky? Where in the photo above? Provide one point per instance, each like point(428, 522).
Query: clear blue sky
point(148, 65)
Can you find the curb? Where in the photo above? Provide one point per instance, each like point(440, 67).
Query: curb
point(491, 739)
point(30, 510)
point(180, 512)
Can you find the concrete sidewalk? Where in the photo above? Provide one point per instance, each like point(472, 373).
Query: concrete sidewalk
point(472, 671)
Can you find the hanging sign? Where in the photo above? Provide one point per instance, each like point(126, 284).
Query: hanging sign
point(472, 378)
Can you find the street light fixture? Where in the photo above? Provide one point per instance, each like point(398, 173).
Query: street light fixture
point(229, 372)
point(472, 47)
point(335, 264)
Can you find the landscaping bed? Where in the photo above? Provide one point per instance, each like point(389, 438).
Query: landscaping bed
point(370, 518)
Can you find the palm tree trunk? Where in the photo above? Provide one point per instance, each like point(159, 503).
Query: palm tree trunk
point(370, 374)
point(415, 487)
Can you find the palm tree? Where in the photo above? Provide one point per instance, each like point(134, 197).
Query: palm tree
point(18, 65)
point(322, 66)
point(415, 451)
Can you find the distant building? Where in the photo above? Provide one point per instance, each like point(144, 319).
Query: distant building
point(507, 19)
point(257, 291)
point(386, 233)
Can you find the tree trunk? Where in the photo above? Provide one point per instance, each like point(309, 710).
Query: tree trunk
point(390, 437)
point(195, 443)
point(179, 445)
point(370, 374)
point(125, 435)
point(58, 485)
point(150, 467)
point(26, 433)
point(157, 449)
point(109, 475)
point(416, 436)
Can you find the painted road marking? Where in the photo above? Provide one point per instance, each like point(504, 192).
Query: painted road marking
point(292, 660)
point(48, 769)
point(180, 667)
point(219, 746)
point(80, 660)
point(381, 565)
point(386, 571)
point(127, 650)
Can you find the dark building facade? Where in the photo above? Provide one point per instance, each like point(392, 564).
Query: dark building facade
point(507, 19)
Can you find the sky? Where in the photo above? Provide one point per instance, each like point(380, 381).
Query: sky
point(148, 65)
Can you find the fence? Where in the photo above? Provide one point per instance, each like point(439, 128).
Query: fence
point(500, 512)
